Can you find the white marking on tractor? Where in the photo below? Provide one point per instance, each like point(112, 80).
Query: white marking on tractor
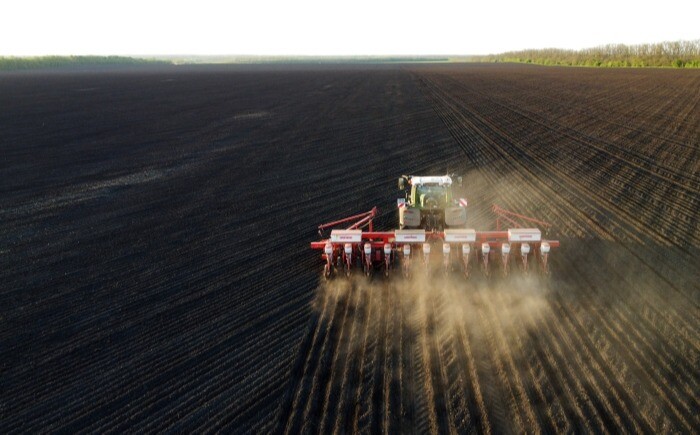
point(524, 235)
point(409, 236)
point(460, 235)
point(443, 180)
point(351, 236)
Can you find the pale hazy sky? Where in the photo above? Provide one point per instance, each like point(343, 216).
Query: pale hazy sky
point(310, 27)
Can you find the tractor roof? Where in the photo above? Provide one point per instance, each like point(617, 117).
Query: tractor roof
point(442, 180)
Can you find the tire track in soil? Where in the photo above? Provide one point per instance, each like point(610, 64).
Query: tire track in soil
point(563, 366)
point(407, 343)
point(146, 353)
point(485, 126)
point(547, 422)
point(661, 391)
point(495, 399)
point(376, 416)
point(425, 418)
point(307, 361)
point(344, 353)
point(312, 409)
point(347, 407)
point(606, 382)
point(603, 232)
point(433, 352)
point(444, 408)
point(506, 367)
point(464, 390)
point(359, 419)
point(476, 409)
point(392, 377)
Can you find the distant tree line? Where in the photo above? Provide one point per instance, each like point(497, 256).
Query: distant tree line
point(19, 63)
point(265, 59)
point(677, 54)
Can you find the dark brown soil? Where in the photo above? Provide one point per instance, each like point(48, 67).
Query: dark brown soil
point(155, 270)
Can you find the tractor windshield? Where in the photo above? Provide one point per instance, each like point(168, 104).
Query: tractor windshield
point(432, 195)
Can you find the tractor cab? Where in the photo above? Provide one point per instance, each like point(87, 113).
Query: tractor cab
point(430, 196)
point(427, 192)
point(428, 203)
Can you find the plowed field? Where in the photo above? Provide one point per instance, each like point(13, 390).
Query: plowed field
point(155, 270)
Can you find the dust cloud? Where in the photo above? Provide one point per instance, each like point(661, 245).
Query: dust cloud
point(430, 302)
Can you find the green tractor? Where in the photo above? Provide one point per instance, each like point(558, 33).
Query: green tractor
point(428, 203)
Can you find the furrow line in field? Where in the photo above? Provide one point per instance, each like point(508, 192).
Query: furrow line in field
point(377, 416)
point(583, 335)
point(425, 411)
point(164, 335)
point(163, 364)
point(443, 404)
point(361, 412)
point(339, 366)
point(522, 152)
point(320, 413)
point(393, 369)
point(461, 391)
point(606, 332)
point(292, 408)
point(555, 193)
point(546, 390)
point(322, 374)
point(511, 144)
point(407, 344)
point(478, 419)
point(346, 408)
